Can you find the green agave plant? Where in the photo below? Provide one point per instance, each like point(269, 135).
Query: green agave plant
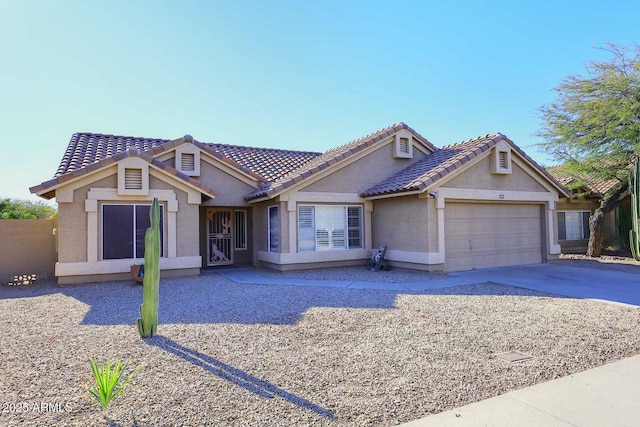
point(109, 381)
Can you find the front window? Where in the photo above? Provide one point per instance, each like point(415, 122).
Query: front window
point(274, 229)
point(326, 228)
point(573, 225)
point(123, 229)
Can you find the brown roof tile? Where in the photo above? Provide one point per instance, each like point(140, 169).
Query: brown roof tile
point(592, 183)
point(72, 174)
point(439, 164)
point(264, 164)
point(274, 169)
point(328, 158)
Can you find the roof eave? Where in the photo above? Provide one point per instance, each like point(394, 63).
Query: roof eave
point(47, 188)
point(389, 194)
point(533, 164)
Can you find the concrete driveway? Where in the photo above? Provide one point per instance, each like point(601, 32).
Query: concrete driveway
point(604, 396)
point(573, 282)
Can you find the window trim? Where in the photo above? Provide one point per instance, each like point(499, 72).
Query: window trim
point(584, 228)
point(133, 164)
point(135, 257)
point(347, 228)
point(189, 150)
point(400, 150)
point(501, 160)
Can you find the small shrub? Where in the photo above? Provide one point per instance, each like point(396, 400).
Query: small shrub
point(108, 381)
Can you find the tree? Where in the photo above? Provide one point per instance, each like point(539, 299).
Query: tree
point(592, 128)
point(25, 209)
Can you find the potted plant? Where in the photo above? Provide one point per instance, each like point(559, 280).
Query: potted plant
point(137, 273)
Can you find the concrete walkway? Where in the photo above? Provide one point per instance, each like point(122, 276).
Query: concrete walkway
point(605, 396)
point(600, 397)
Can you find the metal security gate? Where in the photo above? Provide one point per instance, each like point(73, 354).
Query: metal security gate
point(219, 237)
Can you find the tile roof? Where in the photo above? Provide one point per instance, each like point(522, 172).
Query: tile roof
point(107, 161)
point(264, 164)
point(331, 157)
point(88, 148)
point(435, 166)
point(270, 164)
point(275, 170)
point(595, 185)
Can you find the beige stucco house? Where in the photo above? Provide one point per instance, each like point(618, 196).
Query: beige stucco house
point(477, 204)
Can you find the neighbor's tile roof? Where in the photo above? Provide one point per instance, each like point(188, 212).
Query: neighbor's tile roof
point(427, 171)
point(331, 157)
point(592, 183)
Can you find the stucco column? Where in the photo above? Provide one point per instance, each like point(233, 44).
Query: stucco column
point(293, 232)
point(552, 220)
point(438, 256)
point(368, 209)
point(91, 208)
point(172, 232)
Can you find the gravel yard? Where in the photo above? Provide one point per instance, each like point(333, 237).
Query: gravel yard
point(232, 354)
point(605, 262)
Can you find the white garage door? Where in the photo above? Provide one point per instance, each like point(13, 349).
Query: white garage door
point(491, 235)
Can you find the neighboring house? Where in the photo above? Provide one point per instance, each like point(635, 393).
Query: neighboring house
point(477, 204)
point(574, 212)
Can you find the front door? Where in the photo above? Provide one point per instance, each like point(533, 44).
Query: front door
point(219, 237)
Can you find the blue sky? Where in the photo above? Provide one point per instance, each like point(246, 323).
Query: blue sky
point(307, 75)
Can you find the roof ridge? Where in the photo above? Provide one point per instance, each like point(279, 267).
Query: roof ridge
point(121, 136)
point(402, 125)
point(130, 152)
point(326, 159)
point(248, 147)
point(489, 136)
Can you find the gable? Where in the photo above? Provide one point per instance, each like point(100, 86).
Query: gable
point(365, 171)
point(444, 164)
point(133, 170)
point(231, 187)
point(405, 140)
point(479, 176)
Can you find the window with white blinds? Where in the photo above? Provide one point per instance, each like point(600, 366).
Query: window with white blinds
point(329, 227)
point(573, 225)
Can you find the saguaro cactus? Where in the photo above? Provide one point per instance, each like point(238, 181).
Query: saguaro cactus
point(634, 188)
point(148, 321)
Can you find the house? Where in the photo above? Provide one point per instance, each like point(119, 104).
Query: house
point(476, 204)
point(574, 212)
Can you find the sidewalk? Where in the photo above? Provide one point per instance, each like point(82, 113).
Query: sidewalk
point(600, 397)
point(605, 396)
